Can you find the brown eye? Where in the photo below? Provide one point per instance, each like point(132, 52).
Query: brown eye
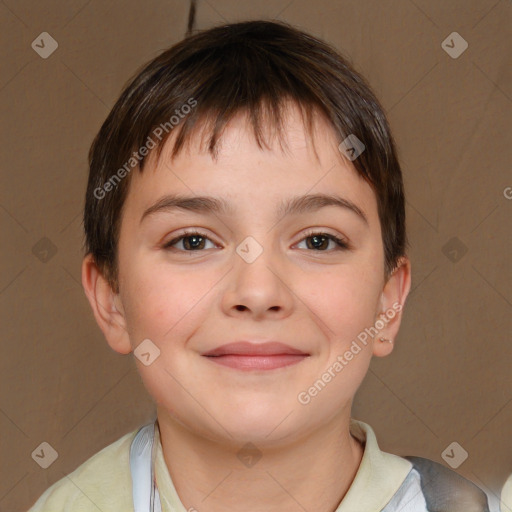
point(192, 242)
point(319, 242)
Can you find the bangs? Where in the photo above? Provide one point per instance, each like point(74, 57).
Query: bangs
point(236, 77)
point(267, 123)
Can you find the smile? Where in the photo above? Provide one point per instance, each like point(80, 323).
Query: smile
point(255, 356)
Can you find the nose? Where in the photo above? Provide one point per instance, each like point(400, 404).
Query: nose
point(258, 288)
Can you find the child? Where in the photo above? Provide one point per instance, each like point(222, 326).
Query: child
point(258, 146)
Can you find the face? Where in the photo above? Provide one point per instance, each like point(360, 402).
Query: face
point(195, 279)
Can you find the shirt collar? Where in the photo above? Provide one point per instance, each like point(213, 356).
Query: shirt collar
point(378, 477)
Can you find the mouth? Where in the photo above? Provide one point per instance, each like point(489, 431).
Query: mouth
point(244, 355)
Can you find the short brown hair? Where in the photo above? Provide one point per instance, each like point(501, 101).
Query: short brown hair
point(253, 67)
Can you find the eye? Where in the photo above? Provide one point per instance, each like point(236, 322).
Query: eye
point(321, 240)
point(193, 241)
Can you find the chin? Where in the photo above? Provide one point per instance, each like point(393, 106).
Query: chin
point(261, 424)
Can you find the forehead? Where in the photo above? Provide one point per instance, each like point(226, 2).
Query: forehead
point(248, 176)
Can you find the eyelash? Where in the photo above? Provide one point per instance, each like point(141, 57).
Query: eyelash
point(341, 244)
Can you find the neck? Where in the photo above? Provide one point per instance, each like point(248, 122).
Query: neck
point(312, 473)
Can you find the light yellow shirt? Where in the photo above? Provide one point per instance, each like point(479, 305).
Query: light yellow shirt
point(506, 496)
point(104, 481)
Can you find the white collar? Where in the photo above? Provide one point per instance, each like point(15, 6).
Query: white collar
point(378, 477)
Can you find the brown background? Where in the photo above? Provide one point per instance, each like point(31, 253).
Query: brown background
point(449, 378)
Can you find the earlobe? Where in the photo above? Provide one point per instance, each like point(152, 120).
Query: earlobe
point(106, 306)
point(393, 297)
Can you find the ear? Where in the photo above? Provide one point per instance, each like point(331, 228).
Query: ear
point(392, 302)
point(106, 306)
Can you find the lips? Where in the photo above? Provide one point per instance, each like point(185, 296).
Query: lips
point(246, 348)
point(245, 355)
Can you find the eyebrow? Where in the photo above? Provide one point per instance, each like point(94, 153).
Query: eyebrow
point(207, 204)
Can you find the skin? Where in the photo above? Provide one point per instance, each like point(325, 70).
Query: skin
point(316, 300)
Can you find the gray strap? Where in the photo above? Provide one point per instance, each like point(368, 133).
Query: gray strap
point(447, 491)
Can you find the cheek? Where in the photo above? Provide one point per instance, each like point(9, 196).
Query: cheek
point(344, 300)
point(166, 306)
point(162, 301)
